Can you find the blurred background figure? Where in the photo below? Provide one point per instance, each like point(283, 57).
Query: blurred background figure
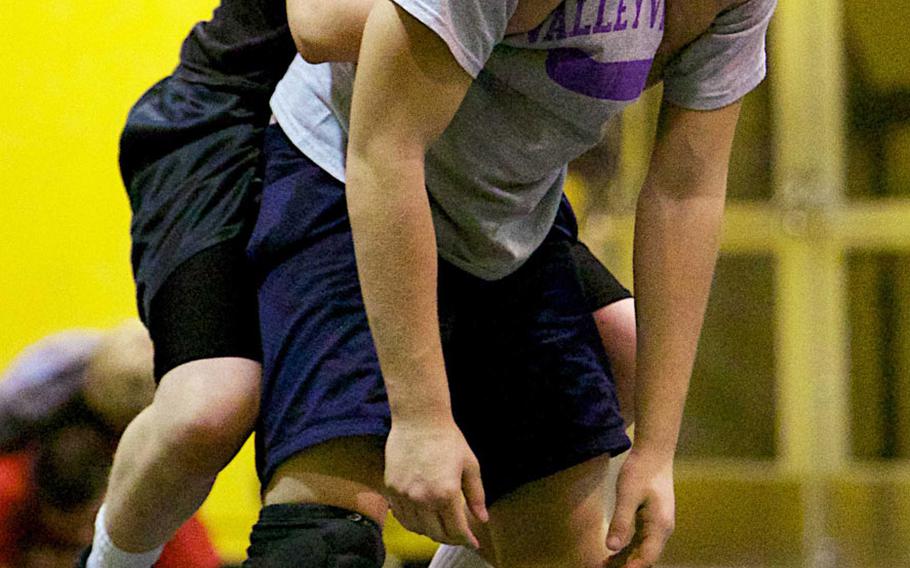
point(63, 404)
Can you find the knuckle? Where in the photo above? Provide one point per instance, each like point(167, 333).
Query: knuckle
point(442, 496)
point(667, 524)
point(417, 495)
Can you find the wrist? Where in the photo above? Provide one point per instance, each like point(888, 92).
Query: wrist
point(657, 453)
point(422, 411)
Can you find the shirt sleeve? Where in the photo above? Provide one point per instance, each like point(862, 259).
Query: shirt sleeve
point(470, 28)
point(725, 63)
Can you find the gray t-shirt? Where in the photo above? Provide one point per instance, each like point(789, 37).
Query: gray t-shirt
point(539, 99)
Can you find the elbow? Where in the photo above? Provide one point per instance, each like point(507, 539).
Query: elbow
point(310, 49)
point(304, 17)
point(311, 53)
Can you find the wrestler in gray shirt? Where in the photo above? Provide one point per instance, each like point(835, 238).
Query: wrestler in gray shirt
point(539, 99)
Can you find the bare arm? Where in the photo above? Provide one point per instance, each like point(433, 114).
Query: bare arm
point(677, 233)
point(407, 89)
point(328, 30)
point(331, 30)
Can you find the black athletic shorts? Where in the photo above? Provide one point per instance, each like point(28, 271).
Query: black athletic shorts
point(189, 156)
point(190, 160)
point(598, 285)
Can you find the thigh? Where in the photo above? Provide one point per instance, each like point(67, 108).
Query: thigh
point(321, 377)
point(343, 472)
point(189, 157)
point(559, 520)
point(206, 309)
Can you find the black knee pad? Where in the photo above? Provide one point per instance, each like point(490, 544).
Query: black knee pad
point(314, 536)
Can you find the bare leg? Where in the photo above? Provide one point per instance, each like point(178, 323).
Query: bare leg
point(616, 326)
point(324, 507)
point(169, 455)
point(345, 473)
point(556, 521)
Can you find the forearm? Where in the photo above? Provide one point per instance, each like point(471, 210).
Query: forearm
point(395, 246)
point(407, 89)
point(328, 30)
point(676, 243)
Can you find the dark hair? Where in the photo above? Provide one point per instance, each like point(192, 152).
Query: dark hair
point(72, 466)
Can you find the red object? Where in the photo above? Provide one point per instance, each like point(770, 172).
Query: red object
point(190, 547)
point(14, 491)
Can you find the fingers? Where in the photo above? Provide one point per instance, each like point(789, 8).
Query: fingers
point(474, 495)
point(657, 527)
point(454, 522)
point(433, 492)
point(650, 550)
point(655, 523)
point(405, 514)
point(622, 526)
point(431, 526)
point(443, 517)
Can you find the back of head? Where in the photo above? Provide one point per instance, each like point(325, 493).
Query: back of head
point(119, 378)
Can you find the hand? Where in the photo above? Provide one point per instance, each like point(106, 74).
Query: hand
point(430, 474)
point(644, 493)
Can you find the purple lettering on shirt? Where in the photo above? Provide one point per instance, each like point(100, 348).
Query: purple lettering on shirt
point(577, 29)
point(655, 7)
point(638, 5)
point(621, 23)
point(576, 71)
point(599, 26)
point(534, 34)
point(557, 29)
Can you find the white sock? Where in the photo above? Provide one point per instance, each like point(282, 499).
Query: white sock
point(105, 553)
point(448, 556)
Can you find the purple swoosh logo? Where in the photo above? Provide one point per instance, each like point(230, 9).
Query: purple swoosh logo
point(575, 70)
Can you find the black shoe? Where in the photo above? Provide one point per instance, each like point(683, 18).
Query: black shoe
point(82, 561)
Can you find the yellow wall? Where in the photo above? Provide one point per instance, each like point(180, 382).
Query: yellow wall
point(69, 71)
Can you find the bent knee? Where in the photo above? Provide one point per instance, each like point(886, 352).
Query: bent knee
point(203, 413)
point(556, 521)
point(548, 544)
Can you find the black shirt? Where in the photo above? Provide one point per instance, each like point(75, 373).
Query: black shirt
point(245, 46)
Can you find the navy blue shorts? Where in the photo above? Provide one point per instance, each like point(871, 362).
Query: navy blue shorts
point(530, 382)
